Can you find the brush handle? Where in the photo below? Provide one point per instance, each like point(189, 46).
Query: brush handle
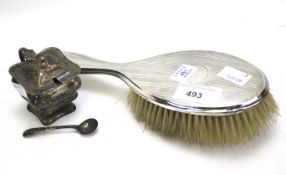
point(92, 65)
point(33, 131)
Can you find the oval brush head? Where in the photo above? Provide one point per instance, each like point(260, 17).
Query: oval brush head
point(205, 129)
point(239, 105)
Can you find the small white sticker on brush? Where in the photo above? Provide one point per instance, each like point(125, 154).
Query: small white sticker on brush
point(236, 76)
point(197, 93)
point(183, 73)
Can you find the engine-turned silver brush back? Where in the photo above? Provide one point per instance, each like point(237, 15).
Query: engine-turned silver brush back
point(197, 82)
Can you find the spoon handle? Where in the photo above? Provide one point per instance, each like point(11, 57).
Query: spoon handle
point(33, 131)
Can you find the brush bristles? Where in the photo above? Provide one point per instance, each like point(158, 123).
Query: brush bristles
point(210, 130)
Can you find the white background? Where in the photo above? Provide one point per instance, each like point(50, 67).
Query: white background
point(129, 30)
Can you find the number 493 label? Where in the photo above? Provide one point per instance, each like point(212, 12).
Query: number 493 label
point(197, 93)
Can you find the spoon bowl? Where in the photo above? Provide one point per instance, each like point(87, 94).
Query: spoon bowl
point(88, 126)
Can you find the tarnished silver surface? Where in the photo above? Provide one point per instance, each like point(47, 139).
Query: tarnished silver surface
point(48, 81)
point(150, 78)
